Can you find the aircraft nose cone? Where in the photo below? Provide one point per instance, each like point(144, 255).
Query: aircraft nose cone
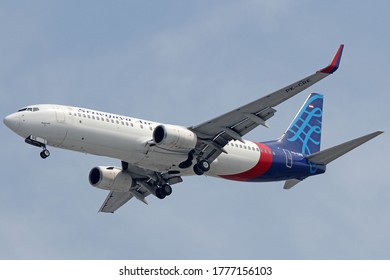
point(12, 121)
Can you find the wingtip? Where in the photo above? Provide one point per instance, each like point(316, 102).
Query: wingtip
point(377, 133)
point(335, 62)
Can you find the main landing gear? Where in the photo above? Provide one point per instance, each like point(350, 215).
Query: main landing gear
point(201, 167)
point(163, 191)
point(157, 184)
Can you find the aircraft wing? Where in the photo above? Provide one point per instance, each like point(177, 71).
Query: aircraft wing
point(216, 133)
point(145, 179)
point(115, 200)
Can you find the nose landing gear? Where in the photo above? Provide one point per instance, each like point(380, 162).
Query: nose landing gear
point(38, 142)
point(45, 153)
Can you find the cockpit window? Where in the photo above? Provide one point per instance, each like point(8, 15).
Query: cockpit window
point(30, 109)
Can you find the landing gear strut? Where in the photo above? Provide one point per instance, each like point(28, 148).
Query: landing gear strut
point(38, 142)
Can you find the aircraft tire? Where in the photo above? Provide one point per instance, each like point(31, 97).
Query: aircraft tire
point(160, 193)
point(167, 189)
point(204, 165)
point(198, 170)
point(44, 154)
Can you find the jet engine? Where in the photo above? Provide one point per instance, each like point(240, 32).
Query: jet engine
point(173, 137)
point(110, 178)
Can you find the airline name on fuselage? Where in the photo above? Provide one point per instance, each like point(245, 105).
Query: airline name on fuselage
point(299, 84)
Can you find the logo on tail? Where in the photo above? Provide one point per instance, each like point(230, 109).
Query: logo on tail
point(304, 133)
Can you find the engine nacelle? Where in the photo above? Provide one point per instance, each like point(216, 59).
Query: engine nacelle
point(110, 178)
point(173, 137)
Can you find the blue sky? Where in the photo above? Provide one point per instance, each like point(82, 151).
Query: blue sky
point(185, 62)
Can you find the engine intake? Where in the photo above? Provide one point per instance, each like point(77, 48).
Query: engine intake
point(173, 137)
point(110, 178)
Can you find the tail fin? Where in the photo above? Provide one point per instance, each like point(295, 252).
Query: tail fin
point(304, 133)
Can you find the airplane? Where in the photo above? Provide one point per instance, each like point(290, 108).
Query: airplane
point(154, 156)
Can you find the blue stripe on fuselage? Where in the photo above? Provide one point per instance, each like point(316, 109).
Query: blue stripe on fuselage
point(283, 167)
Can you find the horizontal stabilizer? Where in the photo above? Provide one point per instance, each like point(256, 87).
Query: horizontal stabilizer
point(291, 183)
point(329, 155)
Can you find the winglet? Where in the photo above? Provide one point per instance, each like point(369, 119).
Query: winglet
point(335, 62)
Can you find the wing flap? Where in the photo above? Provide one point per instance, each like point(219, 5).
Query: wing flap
point(114, 201)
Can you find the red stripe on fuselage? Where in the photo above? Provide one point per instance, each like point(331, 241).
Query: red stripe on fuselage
point(262, 166)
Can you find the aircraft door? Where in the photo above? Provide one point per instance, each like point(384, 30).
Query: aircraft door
point(60, 115)
point(289, 161)
point(61, 131)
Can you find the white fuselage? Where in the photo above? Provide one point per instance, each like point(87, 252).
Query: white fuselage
point(127, 139)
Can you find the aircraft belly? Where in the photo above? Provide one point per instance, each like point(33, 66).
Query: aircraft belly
point(244, 165)
point(111, 144)
point(159, 159)
point(227, 164)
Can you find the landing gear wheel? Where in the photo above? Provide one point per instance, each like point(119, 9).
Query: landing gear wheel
point(198, 170)
point(204, 165)
point(160, 193)
point(44, 154)
point(167, 189)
